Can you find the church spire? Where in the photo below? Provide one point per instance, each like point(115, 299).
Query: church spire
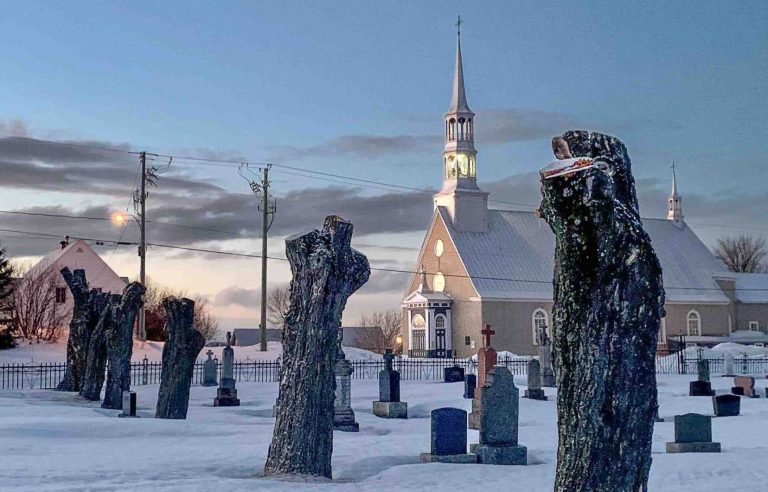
point(675, 202)
point(459, 97)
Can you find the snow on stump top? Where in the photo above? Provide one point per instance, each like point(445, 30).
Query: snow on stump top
point(326, 271)
point(609, 301)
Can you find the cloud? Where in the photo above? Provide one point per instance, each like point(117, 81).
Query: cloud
point(238, 296)
point(500, 126)
point(14, 128)
point(359, 146)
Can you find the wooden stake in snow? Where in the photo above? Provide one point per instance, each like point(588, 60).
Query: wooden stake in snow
point(609, 302)
point(326, 271)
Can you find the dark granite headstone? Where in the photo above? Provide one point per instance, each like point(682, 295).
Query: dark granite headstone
point(702, 386)
point(693, 434)
point(726, 405)
point(389, 404)
point(209, 370)
point(453, 374)
point(449, 437)
point(498, 421)
point(470, 382)
point(129, 404)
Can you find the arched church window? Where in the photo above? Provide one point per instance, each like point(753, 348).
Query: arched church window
point(694, 323)
point(451, 129)
point(462, 129)
point(418, 321)
point(540, 325)
point(440, 321)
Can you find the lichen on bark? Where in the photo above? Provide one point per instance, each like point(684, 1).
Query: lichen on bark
point(326, 271)
point(609, 301)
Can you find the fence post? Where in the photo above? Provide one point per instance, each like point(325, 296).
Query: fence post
point(145, 371)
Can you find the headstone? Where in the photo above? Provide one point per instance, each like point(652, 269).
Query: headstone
point(343, 415)
point(534, 391)
point(183, 343)
point(545, 359)
point(726, 405)
point(693, 434)
point(226, 393)
point(486, 360)
point(389, 405)
point(744, 386)
point(702, 386)
point(209, 370)
point(129, 404)
point(449, 437)
point(728, 362)
point(498, 422)
point(470, 383)
point(453, 374)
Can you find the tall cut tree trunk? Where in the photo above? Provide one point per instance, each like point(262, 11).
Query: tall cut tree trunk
point(326, 271)
point(608, 306)
point(80, 328)
point(182, 345)
point(96, 363)
point(122, 317)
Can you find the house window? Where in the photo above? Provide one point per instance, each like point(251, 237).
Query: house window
point(754, 326)
point(694, 324)
point(540, 325)
point(662, 340)
point(440, 321)
point(61, 295)
point(466, 340)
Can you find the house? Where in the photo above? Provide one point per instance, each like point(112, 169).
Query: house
point(483, 266)
point(76, 255)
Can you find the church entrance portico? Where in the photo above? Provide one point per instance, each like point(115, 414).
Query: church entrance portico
point(429, 322)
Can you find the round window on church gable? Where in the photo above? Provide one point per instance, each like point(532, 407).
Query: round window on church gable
point(439, 247)
point(438, 283)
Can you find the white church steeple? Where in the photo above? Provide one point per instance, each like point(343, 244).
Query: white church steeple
point(466, 203)
point(675, 202)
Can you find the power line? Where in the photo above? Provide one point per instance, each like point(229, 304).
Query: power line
point(380, 269)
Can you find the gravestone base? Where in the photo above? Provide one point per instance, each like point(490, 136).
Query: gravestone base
point(129, 405)
point(390, 409)
point(500, 455)
point(548, 379)
point(353, 427)
point(737, 390)
point(535, 394)
point(447, 458)
point(701, 388)
point(344, 420)
point(693, 447)
point(209, 383)
point(226, 395)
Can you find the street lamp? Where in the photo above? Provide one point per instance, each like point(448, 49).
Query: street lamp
point(399, 344)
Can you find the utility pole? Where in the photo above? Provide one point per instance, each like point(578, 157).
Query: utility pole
point(268, 211)
point(148, 177)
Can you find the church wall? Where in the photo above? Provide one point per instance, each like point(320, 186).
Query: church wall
point(513, 323)
point(751, 312)
point(714, 318)
point(459, 287)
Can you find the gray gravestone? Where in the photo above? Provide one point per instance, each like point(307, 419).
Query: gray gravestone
point(226, 393)
point(448, 442)
point(343, 415)
point(693, 434)
point(534, 391)
point(389, 405)
point(728, 362)
point(209, 370)
point(726, 405)
point(470, 383)
point(499, 420)
point(129, 404)
point(702, 386)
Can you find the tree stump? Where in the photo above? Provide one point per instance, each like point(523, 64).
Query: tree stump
point(326, 271)
point(609, 302)
point(183, 343)
point(85, 315)
point(119, 343)
point(96, 356)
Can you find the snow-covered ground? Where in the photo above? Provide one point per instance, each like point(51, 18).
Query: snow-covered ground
point(153, 351)
point(56, 441)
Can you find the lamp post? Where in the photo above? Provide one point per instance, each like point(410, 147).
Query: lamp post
point(399, 344)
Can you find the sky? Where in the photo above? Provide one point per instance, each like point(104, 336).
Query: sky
point(359, 89)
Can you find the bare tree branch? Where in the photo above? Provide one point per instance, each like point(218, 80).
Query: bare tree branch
point(744, 254)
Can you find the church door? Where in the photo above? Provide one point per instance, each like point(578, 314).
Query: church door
point(440, 343)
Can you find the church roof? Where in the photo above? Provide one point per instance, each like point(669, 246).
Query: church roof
point(752, 287)
point(520, 246)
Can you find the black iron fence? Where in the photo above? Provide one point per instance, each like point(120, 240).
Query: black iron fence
point(48, 375)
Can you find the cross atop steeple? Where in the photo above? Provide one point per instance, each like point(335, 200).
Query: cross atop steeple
point(458, 26)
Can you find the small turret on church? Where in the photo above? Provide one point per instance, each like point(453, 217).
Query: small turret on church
point(465, 202)
point(675, 202)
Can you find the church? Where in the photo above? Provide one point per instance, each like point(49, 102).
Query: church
point(479, 266)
